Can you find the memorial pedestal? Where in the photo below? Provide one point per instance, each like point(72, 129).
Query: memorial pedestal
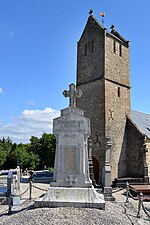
point(72, 185)
point(71, 197)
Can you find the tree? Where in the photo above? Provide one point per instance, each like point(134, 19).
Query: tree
point(3, 155)
point(28, 159)
point(45, 148)
point(37, 154)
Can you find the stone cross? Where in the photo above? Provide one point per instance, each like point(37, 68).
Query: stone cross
point(71, 180)
point(72, 94)
point(91, 12)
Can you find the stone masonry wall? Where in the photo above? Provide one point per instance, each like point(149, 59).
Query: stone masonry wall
point(148, 154)
point(117, 100)
point(92, 101)
point(115, 111)
point(134, 155)
point(90, 53)
point(117, 68)
point(103, 76)
point(90, 73)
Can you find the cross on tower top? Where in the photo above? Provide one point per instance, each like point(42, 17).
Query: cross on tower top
point(91, 12)
point(72, 94)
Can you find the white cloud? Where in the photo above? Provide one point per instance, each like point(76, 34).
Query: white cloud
point(30, 102)
point(6, 31)
point(1, 90)
point(11, 34)
point(29, 123)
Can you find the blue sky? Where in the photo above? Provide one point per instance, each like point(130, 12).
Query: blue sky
point(38, 57)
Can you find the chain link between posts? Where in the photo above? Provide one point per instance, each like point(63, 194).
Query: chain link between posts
point(42, 189)
point(134, 198)
point(22, 193)
point(3, 201)
point(140, 201)
point(120, 189)
point(145, 210)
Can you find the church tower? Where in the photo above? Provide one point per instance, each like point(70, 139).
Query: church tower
point(103, 75)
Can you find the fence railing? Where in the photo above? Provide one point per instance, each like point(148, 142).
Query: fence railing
point(139, 198)
point(10, 194)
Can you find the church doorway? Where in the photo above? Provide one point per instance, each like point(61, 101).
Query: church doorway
point(95, 168)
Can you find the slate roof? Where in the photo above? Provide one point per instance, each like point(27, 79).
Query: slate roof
point(113, 33)
point(119, 36)
point(141, 121)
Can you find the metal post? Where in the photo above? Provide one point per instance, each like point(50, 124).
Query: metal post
point(30, 189)
point(30, 184)
point(140, 196)
point(9, 205)
point(10, 192)
point(127, 192)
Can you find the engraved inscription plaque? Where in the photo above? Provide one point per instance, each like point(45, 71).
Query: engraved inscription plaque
point(70, 159)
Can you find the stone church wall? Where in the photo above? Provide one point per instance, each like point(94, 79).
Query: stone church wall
point(92, 102)
point(117, 101)
point(90, 73)
point(115, 110)
point(148, 154)
point(134, 155)
point(104, 78)
point(90, 51)
point(117, 68)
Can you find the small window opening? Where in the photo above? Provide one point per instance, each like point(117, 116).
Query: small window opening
point(92, 46)
point(148, 128)
point(120, 50)
point(118, 92)
point(114, 47)
point(85, 49)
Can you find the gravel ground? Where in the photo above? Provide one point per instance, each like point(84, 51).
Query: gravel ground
point(117, 212)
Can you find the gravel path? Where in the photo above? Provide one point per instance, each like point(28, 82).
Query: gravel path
point(115, 213)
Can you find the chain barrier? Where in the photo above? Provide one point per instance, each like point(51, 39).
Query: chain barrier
point(42, 189)
point(10, 193)
point(127, 215)
point(145, 210)
point(139, 204)
point(134, 198)
point(22, 193)
point(128, 193)
point(4, 200)
point(140, 201)
point(120, 189)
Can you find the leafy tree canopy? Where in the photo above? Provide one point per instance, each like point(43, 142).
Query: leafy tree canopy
point(37, 154)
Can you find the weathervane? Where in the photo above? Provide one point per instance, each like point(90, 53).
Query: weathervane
point(102, 14)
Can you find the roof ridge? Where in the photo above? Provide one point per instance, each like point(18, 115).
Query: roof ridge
point(97, 22)
point(141, 121)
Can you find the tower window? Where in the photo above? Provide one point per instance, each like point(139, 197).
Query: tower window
point(118, 92)
point(85, 49)
point(114, 47)
point(120, 50)
point(92, 46)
